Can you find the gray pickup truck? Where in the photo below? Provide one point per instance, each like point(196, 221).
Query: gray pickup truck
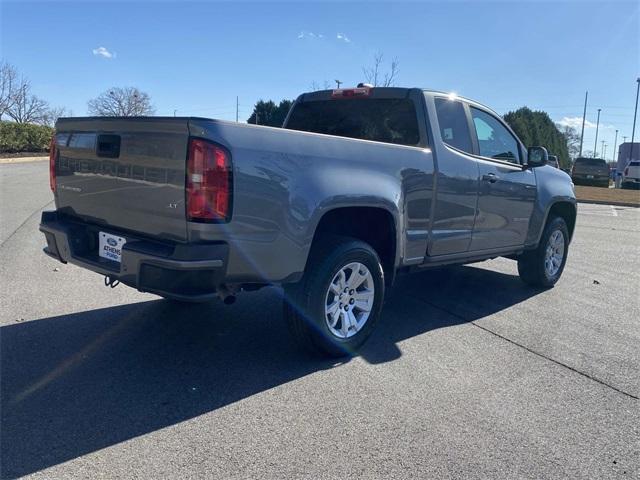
point(361, 184)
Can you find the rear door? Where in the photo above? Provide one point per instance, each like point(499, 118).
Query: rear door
point(124, 174)
point(507, 192)
point(457, 179)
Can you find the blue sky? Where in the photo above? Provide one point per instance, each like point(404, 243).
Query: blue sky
point(195, 57)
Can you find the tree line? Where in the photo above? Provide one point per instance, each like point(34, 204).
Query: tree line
point(18, 102)
point(535, 128)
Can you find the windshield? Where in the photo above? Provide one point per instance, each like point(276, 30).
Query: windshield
point(387, 120)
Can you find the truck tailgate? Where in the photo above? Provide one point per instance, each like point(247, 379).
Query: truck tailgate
point(125, 173)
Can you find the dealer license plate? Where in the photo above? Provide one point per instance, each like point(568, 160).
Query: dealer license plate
point(110, 246)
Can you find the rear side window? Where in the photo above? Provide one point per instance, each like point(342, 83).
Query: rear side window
point(390, 120)
point(83, 140)
point(634, 164)
point(494, 140)
point(454, 128)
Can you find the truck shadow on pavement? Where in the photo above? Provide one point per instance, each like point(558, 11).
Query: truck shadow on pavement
point(77, 383)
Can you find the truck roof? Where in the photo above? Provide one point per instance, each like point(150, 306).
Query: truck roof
point(391, 92)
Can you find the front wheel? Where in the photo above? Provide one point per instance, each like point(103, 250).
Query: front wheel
point(335, 307)
point(543, 266)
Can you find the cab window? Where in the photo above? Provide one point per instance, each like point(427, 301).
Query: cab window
point(454, 128)
point(494, 140)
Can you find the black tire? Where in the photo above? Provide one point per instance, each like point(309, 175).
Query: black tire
point(531, 264)
point(305, 302)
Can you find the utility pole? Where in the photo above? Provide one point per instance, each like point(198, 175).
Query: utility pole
point(635, 114)
point(256, 118)
point(604, 151)
point(615, 144)
point(236, 109)
point(174, 112)
point(584, 117)
point(595, 146)
point(338, 83)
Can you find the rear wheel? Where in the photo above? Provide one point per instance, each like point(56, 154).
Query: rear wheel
point(335, 307)
point(543, 266)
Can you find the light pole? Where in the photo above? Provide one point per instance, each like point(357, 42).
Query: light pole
point(595, 145)
point(338, 83)
point(635, 113)
point(604, 151)
point(615, 144)
point(584, 117)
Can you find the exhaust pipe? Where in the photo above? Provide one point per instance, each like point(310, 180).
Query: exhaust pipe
point(226, 294)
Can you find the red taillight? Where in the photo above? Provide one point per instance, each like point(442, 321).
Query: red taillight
point(53, 153)
point(351, 92)
point(208, 182)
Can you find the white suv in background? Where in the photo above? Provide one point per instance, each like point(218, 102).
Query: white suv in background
point(631, 175)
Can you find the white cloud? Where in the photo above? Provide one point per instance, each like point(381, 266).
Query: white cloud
point(103, 52)
point(576, 122)
point(305, 34)
point(343, 37)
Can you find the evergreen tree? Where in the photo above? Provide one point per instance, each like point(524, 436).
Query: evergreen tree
point(270, 114)
point(535, 128)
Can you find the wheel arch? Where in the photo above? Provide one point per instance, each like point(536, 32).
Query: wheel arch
point(372, 224)
point(565, 208)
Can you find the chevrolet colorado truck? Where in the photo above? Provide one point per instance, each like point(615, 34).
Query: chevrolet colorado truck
point(360, 184)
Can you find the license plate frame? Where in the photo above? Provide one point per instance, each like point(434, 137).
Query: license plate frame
point(110, 246)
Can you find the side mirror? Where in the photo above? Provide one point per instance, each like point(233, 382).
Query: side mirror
point(537, 157)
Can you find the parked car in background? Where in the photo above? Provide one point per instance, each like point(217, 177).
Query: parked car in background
point(590, 171)
point(553, 161)
point(631, 175)
point(361, 184)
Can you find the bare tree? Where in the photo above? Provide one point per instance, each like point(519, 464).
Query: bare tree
point(315, 86)
point(52, 114)
point(572, 137)
point(375, 77)
point(27, 107)
point(121, 102)
point(9, 84)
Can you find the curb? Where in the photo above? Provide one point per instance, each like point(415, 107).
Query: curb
point(613, 204)
point(22, 159)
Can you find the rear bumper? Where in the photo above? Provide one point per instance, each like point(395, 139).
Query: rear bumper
point(595, 178)
point(190, 272)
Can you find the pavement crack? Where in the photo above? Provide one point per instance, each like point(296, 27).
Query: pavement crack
point(24, 222)
point(539, 354)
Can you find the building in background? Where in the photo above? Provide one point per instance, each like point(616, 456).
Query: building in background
point(624, 152)
point(624, 157)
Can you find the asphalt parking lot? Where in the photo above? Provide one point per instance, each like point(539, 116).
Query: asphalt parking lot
point(470, 373)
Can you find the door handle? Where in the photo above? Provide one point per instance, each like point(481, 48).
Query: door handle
point(490, 177)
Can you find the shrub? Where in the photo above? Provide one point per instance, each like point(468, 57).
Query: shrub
point(24, 137)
